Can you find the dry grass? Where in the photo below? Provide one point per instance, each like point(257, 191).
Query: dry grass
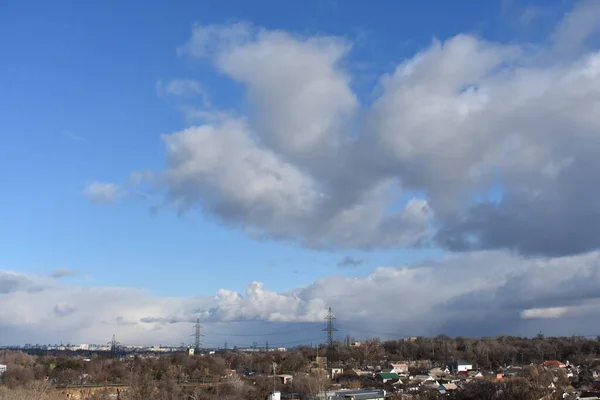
point(33, 391)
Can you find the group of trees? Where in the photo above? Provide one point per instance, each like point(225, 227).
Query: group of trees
point(489, 353)
point(174, 376)
point(179, 376)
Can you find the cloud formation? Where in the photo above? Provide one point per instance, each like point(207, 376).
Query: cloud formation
point(63, 272)
point(182, 88)
point(469, 145)
point(478, 293)
point(103, 192)
point(349, 262)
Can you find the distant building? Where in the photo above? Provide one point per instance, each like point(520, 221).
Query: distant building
point(284, 378)
point(399, 368)
point(365, 394)
point(274, 396)
point(447, 387)
point(333, 372)
point(460, 366)
point(474, 374)
point(387, 377)
point(554, 364)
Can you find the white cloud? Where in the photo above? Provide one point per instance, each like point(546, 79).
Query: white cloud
point(302, 97)
point(229, 173)
point(260, 304)
point(480, 293)
point(183, 88)
point(103, 192)
point(84, 314)
point(551, 312)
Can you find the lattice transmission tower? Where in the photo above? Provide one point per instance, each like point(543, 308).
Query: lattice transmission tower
point(114, 347)
point(329, 328)
point(197, 334)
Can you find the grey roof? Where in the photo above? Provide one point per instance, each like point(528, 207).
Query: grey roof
point(361, 394)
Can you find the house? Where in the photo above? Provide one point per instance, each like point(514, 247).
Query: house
point(422, 378)
point(333, 372)
point(387, 377)
point(447, 387)
point(474, 374)
point(399, 368)
point(589, 395)
point(553, 364)
point(274, 396)
point(361, 372)
point(364, 394)
point(460, 366)
point(439, 371)
point(284, 378)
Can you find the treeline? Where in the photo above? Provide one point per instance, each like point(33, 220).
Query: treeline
point(245, 376)
point(172, 377)
point(484, 353)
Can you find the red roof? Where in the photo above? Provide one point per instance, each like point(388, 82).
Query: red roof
point(553, 363)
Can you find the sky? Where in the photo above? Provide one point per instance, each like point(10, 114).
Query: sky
point(420, 167)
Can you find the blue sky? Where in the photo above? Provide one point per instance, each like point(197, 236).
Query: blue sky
point(80, 104)
point(89, 96)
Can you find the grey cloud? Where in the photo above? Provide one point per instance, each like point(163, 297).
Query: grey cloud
point(578, 26)
point(15, 282)
point(480, 293)
point(63, 272)
point(120, 320)
point(463, 116)
point(169, 320)
point(349, 262)
point(64, 309)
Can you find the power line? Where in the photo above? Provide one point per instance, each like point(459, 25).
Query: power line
point(363, 330)
point(259, 334)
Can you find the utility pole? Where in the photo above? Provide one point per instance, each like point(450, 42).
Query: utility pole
point(274, 365)
point(446, 351)
point(197, 334)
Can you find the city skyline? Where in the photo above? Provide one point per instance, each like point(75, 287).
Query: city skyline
point(419, 168)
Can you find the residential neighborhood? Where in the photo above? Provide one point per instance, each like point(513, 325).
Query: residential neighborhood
point(372, 371)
